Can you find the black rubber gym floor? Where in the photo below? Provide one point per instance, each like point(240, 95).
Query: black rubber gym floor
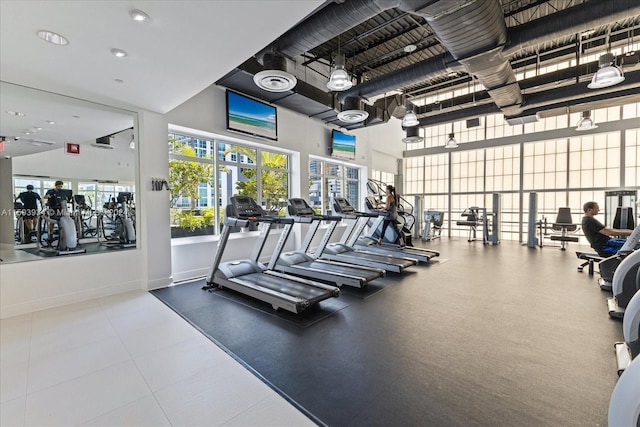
point(486, 335)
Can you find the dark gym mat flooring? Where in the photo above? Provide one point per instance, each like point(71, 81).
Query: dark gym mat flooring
point(486, 335)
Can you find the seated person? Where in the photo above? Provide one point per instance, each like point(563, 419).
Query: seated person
point(600, 237)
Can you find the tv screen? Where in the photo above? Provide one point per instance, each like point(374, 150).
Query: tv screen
point(343, 145)
point(252, 117)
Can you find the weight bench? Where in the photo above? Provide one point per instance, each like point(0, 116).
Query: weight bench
point(590, 259)
point(564, 224)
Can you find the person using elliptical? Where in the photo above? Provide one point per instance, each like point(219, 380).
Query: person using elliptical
point(601, 238)
point(55, 207)
point(392, 214)
point(29, 201)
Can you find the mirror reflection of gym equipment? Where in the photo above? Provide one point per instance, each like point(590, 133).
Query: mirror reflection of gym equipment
point(59, 226)
point(116, 223)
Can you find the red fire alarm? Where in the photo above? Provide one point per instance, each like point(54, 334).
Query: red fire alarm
point(73, 148)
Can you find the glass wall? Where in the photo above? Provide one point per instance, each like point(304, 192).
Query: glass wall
point(563, 171)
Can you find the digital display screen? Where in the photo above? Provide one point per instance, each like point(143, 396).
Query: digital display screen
point(252, 117)
point(343, 145)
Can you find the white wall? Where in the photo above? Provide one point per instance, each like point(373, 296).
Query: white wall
point(26, 287)
point(91, 164)
point(6, 202)
point(51, 282)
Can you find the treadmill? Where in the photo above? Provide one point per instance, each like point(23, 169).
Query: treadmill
point(374, 218)
point(250, 277)
point(342, 252)
point(375, 227)
point(301, 263)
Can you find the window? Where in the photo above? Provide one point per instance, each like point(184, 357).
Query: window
point(198, 200)
point(563, 172)
point(329, 179)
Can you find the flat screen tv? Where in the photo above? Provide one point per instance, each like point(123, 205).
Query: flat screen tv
point(252, 117)
point(343, 145)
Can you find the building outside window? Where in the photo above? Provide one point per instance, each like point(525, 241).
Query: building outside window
point(198, 200)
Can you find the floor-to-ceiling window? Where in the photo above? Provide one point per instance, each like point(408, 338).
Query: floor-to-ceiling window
point(563, 167)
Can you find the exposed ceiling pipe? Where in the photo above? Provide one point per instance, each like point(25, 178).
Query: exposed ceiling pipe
point(407, 76)
point(544, 100)
point(579, 18)
point(568, 94)
point(574, 20)
point(326, 24)
point(474, 33)
point(480, 97)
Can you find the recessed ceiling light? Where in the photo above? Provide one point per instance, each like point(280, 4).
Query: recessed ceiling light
point(138, 15)
point(119, 52)
point(51, 37)
point(51, 122)
point(16, 113)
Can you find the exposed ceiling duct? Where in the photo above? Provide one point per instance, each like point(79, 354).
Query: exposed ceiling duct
point(562, 97)
point(457, 24)
point(474, 39)
point(474, 33)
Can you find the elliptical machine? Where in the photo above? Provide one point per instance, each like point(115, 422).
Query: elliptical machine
point(67, 240)
point(124, 233)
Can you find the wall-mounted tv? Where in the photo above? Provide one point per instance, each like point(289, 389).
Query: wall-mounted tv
point(343, 145)
point(252, 117)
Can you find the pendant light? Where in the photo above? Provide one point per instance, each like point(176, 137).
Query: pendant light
point(339, 79)
point(451, 142)
point(586, 122)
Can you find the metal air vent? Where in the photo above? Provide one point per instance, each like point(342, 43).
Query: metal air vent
point(275, 80)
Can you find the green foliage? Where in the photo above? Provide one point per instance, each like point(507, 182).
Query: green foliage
point(275, 184)
point(208, 216)
point(185, 176)
point(187, 219)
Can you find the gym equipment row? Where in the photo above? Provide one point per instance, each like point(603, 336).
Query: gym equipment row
point(293, 280)
point(63, 230)
point(621, 275)
point(624, 406)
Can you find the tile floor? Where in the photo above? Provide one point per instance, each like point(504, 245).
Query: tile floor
point(126, 360)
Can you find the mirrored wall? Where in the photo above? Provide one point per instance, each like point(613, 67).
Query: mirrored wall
point(67, 176)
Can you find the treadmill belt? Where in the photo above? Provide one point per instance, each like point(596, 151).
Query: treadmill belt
point(284, 286)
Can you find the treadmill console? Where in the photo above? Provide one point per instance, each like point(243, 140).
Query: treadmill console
point(343, 206)
point(299, 207)
point(246, 207)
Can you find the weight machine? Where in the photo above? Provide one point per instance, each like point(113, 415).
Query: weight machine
point(477, 217)
point(432, 225)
